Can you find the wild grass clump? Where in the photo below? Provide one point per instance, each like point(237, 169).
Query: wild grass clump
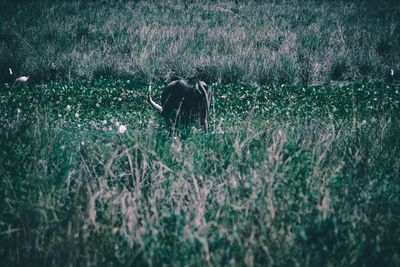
point(287, 176)
point(301, 42)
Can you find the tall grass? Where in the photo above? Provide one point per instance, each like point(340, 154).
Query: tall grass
point(282, 193)
point(287, 175)
point(286, 181)
point(306, 42)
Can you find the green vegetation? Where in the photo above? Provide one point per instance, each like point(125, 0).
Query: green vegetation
point(300, 42)
point(288, 175)
point(301, 165)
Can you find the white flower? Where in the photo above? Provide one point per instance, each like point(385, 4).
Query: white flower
point(68, 108)
point(122, 129)
point(18, 110)
point(105, 122)
point(233, 182)
point(117, 123)
point(76, 115)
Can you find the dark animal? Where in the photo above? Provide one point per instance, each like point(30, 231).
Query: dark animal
point(187, 99)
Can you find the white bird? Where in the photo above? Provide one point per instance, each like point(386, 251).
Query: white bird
point(10, 78)
point(20, 81)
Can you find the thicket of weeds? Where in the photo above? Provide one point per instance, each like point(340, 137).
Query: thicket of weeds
point(270, 42)
point(303, 176)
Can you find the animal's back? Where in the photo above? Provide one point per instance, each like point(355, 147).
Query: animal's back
point(172, 96)
point(188, 99)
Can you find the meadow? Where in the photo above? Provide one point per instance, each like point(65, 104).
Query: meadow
point(300, 165)
point(286, 176)
point(268, 42)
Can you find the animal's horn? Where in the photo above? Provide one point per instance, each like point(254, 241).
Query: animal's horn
point(152, 103)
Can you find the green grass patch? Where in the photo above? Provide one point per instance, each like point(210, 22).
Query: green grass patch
point(288, 175)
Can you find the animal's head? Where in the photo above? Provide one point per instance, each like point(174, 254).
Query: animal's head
point(205, 92)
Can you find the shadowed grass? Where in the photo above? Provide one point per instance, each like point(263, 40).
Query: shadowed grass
point(288, 176)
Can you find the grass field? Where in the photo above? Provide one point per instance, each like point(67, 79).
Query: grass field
point(295, 170)
point(287, 176)
point(291, 42)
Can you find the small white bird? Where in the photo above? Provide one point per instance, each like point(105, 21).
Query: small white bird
point(20, 81)
point(391, 72)
point(10, 78)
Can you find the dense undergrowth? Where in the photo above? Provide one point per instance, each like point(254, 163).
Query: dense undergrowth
point(287, 175)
